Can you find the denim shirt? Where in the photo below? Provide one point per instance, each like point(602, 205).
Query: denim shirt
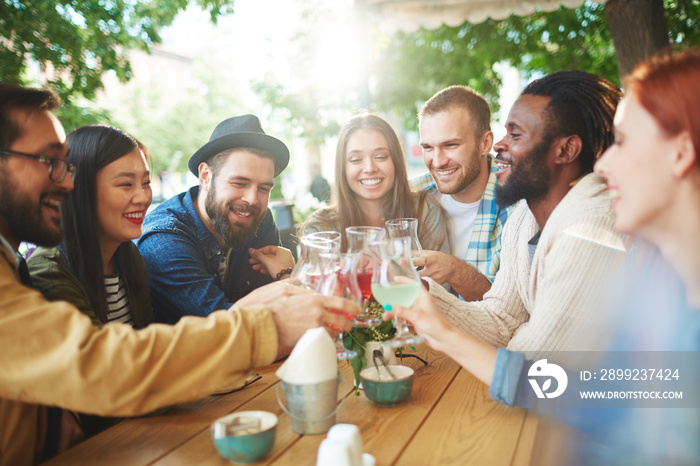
point(183, 259)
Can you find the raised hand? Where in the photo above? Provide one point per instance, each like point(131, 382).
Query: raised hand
point(295, 314)
point(269, 293)
point(271, 260)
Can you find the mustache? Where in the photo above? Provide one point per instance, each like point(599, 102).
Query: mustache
point(445, 166)
point(502, 159)
point(60, 195)
point(245, 208)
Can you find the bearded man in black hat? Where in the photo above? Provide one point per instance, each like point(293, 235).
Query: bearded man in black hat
point(210, 246)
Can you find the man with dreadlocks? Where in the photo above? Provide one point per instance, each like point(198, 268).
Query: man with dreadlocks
point(557, 246)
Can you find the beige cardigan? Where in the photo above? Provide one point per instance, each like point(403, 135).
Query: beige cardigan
point(551, 305)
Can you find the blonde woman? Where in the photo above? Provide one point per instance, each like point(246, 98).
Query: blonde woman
point(371, 185)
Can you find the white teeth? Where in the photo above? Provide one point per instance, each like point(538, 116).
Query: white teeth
point(373, 182)
point(52, 202)
point(242, 214)
point(445, 172)
point(502, 165)
point(134, 215)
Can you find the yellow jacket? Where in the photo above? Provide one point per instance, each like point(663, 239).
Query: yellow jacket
point(52, 355)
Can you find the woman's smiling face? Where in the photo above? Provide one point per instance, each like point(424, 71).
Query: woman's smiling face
point(638, 169)
point(369, 169)
point(123, 196)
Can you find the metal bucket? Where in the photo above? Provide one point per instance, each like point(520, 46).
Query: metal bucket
point(311, 407)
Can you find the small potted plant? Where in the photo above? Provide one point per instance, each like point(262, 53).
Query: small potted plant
point(359, 337)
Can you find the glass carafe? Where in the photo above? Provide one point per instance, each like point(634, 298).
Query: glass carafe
point(307, 271)
point(338, 279)
point(395, 282)
point(359, 240)
point(400, 227)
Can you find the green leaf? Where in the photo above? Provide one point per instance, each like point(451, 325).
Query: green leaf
point(83, 40)
point(357, 338)
point(411, 67)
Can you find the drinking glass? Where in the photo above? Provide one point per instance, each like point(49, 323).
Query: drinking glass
point(400, 227)
point(359, 239)
point(307, 270)
point(396, 282)
point(338, 279)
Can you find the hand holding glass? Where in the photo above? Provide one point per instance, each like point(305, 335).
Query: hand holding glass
point(338, 279)
point(359, 239)
point(395, 282)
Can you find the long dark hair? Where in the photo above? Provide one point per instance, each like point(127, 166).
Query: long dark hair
point(91, 149)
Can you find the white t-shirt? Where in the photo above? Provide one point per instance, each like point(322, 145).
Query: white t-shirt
point(460, 223)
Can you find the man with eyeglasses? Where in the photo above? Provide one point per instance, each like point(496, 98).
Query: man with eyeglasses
point(38, 213)
point(54, 359)
point(57, 167)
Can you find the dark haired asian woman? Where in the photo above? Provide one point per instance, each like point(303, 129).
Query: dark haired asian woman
point(96, 267)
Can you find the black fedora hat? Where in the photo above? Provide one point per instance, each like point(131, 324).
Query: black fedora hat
point(240, 131)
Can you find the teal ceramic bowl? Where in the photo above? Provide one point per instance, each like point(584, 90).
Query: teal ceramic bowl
point(244, 437)
point(381, 388)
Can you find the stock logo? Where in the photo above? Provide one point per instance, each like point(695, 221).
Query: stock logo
point(542, 369)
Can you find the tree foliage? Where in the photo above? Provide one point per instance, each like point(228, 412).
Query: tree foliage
point(75, 42)
point(173, 125)
point(307, 99)
point(301, 108)
point(413, 66)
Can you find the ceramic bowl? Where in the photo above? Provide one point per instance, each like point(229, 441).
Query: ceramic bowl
point(381, 388)
point(245, 437)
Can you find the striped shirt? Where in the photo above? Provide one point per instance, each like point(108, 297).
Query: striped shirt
point(117, 301)
point(484, 251)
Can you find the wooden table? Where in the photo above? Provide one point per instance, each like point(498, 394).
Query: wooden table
point(449, 419)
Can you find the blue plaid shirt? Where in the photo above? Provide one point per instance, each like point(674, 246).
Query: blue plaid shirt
point(484, 252)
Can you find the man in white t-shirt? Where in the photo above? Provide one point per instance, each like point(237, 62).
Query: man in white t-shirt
point(456, 137)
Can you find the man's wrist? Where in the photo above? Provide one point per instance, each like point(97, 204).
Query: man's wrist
point(283, 273)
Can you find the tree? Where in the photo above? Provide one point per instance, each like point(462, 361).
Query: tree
point(413, 66)
point(174, 125)
point(303, 110)
point(75, 42)
point(310, 98)
point(638, 30)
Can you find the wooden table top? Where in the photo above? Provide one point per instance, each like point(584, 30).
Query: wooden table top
point(449, 419)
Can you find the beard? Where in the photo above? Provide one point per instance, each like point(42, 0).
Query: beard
point(529, 179)
point(233, 234)
point(471, 173)
point(24, 217)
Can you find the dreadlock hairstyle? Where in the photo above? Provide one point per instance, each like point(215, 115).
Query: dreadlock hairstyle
point(581, 104)
point(91, 149)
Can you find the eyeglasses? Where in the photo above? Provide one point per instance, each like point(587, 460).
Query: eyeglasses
point(57, 167)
